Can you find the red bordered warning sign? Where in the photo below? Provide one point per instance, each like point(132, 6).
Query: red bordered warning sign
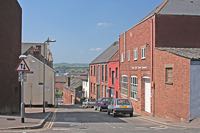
point(23, 66)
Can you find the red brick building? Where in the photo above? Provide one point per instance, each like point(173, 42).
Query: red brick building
point(113, 76)
point(10, 39)
point(99, 73)
point(146, 64)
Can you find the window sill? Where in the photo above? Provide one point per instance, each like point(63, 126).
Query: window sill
point(135, 99)
point(143, 58)
point(168, 83)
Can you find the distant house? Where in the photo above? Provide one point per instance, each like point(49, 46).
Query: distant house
point(10, 39)
point(73, 93)
point(99, 73)
point(86, 90)
point(33, 92)
point(159, 61)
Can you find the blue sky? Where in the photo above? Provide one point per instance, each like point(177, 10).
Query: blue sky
point(82, 28)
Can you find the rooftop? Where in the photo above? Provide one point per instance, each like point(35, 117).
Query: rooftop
point(190, 53)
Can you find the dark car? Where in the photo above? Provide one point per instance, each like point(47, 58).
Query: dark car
point(102, 103)
point(120, 106)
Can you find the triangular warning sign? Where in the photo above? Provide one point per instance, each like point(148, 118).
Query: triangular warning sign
point(23, 66)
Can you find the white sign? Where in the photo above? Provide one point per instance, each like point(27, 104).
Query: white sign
point(23, 66)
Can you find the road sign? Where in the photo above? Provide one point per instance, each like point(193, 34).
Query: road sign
point(23, 66)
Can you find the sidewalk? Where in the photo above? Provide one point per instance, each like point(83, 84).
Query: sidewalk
point(34, 118)
point(193, 124)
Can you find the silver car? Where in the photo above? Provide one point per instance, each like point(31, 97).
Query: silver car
point(120, 106)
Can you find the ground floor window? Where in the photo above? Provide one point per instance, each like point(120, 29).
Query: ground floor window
point(124, 85)
point(134, 86)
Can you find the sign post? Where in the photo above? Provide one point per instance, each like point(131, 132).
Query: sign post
point(22, 69)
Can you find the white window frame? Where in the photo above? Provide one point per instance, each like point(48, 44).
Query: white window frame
point(122, 57)
point(128, 55)
point(122, 87)
point(135, 54)
point(143, 53)
point(134, 87)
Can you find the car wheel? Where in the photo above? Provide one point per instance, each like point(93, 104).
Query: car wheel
point(99, 109)
point(108, 112)
point(114, 114)
point(95, 108)
point(131, 114)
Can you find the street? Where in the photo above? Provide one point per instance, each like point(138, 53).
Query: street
point(73, 119)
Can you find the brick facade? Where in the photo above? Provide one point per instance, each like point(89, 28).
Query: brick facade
point(172, 100)
point(10, 38)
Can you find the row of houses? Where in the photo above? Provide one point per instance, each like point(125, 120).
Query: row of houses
point(155, 63)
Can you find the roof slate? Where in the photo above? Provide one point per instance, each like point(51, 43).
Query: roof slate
point(190, 53)
point(107, 54)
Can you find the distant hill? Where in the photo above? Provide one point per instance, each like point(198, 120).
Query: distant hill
point(62, 68)
point(70, 65)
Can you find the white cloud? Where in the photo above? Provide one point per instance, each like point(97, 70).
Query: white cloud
point(95, 49)
point(103, 24)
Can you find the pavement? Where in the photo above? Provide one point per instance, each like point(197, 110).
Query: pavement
point(34, 118)
point(177, 124)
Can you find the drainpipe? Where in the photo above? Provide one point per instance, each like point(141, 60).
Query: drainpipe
point(124, 46)
point(152, 65)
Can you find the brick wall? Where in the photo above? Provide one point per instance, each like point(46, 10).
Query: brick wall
point(172, 101)
point(68, 96)
point(138, 37)
point(177, 31)
point(10, 39)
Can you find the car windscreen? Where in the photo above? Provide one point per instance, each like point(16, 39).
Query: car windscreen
point(123, 102)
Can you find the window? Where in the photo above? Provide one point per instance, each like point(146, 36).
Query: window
point(135, 54)
point(94, 89)
point(128, 55)
point(109, 72)
point(116, 72)
point(91, 87)
point(113, 77)
point(102, 72)
point(169, 75)
point(124, 85)
point(94, 71)
point(106, 73)
point(91, 71)
point(134, 86)
point(143, 54)
point(122, 57)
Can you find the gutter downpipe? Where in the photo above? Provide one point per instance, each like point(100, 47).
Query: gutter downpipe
point(152, 66)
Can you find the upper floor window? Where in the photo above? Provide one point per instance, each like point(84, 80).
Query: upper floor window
point(91, 70)
point(94, 70)
point(102, 72)
point(128, 55)
point(106, 73)
point(113, 77)
point(169, 75)
point(122, 57)
point(116, 72)
point(135, 54)
point(143, 53)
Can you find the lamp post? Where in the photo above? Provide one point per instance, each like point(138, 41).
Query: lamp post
point(44, 54)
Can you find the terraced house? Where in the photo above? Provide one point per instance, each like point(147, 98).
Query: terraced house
point(159, 61)
point(100, 75)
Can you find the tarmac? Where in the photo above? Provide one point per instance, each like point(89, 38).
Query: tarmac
point(35, 119)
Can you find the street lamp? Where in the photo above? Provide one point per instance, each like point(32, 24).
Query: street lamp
point(44, 54)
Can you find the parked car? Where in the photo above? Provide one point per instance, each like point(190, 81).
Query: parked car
point(97, 103)
point(102, 104)
point(120, 106)
point(88, 103)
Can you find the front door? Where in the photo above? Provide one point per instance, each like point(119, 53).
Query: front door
point(147, 95)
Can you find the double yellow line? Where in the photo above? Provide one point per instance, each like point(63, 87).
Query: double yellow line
point(50, 124)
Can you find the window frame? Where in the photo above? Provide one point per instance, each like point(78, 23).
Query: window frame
point(122, 87)
point(134, 87)
point(143, 53)
point(169, 78)
point(135, 54)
